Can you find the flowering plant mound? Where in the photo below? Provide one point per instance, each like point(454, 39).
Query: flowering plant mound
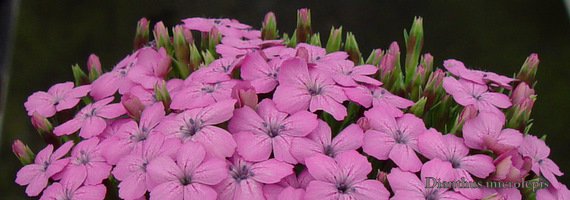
point(220, 110)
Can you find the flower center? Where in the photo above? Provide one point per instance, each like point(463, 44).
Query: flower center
point(273, 129)
point(186, 180)
point(82, 158)
point(140, 135)
point(314, 89)
point(399, 137)
point(240, 173)
point(191, 127)
point(376, 94)
point(328, 151)
point(209, 88)
point(344, 188)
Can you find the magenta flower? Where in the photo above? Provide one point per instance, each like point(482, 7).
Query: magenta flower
point(302, 88)
point(407, 185)
point(246, 179)
point(343, 177)
point(485, 132)
point(73, 190)
point(59, 97)
point(91, 119)
point(131, 170)
point(261, 74)
point(198, 125)
point(203, 90)
point(108, 83)
point(394, 138)
point(465, 93)
point(45, 165)
point(346, 74)
point(132, 135)
point(319, 141)
point(450, 148)
point(291, 187)
point(369, 95)
point(537, 150)
point(86, 163)
point(190, 177)
point(259, 132)
point(150, 68)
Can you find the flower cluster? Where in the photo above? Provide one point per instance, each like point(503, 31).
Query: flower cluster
point(248, 114)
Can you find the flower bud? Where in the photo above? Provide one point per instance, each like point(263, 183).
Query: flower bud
point(468, 112)
point(161, 94)
point(303, 31)
point(23, 152)
point(269, 27)
point(521, 92)
point(94, 67)
point(79, 75)
point(245, 94)
point(195, 57)
point(433, 89)
point(528, 69)
point(181, 52)
point(363, 123)
point(374, 57)
point(141, 34)
point(162, 37)
point(511, 166)
point(44, 128)
point(210, 39)
point(133, 105)
point(351, 47)
point(427, 62)
point(335, 40)
point(519, 115)
point(382, 177)
point(302, 52)
point(418, 107)
point(414, 43)
point(208, 57)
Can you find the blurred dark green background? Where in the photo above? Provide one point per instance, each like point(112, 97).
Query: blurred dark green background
point(50, 36)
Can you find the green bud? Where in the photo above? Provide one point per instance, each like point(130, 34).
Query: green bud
point(208, 57)
point(162, 94)
point(315, 40)
point(162, 37)
point(375, 57)
point(304, 31)
point(141, 34)
point(414, 43)
point(79, 75)
point(528, 69)
point(195, 57)
point(433, 89)
point(44, 128)
point(418, 107)
point(23, 152)
point(269, 27)
point(335, 40)
point(351, 47)
point(181, 52)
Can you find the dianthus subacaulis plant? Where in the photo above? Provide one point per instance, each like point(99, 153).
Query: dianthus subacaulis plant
point(215, 109)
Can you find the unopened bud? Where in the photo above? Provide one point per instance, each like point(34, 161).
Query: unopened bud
point(269, 27)
point(382, 177)
point(245, 94)
point(79, 75)
point(520, 114)
point(521, 92)
point(418, 107)
point(133, 105)
point(528, 69)
point(94, 67)
point(162, 94)
point(302, 52)
point(303, 31)
point(433, 88)
point(181, 51)
point(44, 128)
point(141, 34)
point(211, 39)
point(162, 37)
point(23, 152)
point(468, 112)
point(374, 57)
point(363, 123)
point(315, 40)
point(414, 43)
point(351, 47)
point(427, 62)
point(195, 57)
point(335, 40)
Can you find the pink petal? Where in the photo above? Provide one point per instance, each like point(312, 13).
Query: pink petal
point(173, 190)
point(270, 171)
point(42, 103)
point(293, 71)
point(248, 189)
point(302, 148)
point(479, 165)
point(402, 180)
point(27, 173)
point(300, 123)
point(282, 147)
point(244, 119)
point(354, 166)
point(111, 111)
point(291, 193)
point(378, 144)
point(190, 155)
point(106, 85)
point(318, 190)
point(323, 168)
point(498, 99)
point(68, 127)
point(350, 138)
point(407, 195)
point(437, 168)
point(216, 141)
point(360, 95)
point(96, 172)
point(431, 145)
point(133, 186)
point(163, 169)
point(370, 189)
point(344, 80)
point(90, 192)
point(405, 157)
point(253, 147)
point(210, 172)
point(291, 98)
point(218, 112)
point(37, 184)
point(92, 126)
point(328, 104)
point(197, 191)
point(62, 150)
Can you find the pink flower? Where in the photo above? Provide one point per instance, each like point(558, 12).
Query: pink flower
point(190, 177)
point(86, 164)
point(369, 95)
point(457, 68)
point(346, 74)
point(261, 74)
point(394, 138)
point(246, 179)
point(108, 83)
point(319, 141)
point(501, 193)
point(315, 54)
point(225, 65)
point(59, 97)
point(485, 132)
point(291, 187)
point(225, 26)
point(199, 91)
point(73, 190)
point(511, 166)
point(537, 150)
point(343, 177)
point(150, 68)
point(198, 125)
point(258, 133)
point(132, 135)
point(465, 93)
point(407, 185)
point(450, 148)
point(302, 88)
point(91, 119)
point(553, 193)
point(45, 165)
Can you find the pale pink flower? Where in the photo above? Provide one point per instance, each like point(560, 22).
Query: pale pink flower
point(301, 88)
point(537, 150)
point(553, 193)
point(465, 93)
point(225, 26)
point(486, 132)
point(343, 177)
point(291, 187)
point(73, 190)
point(151, 67)
point(394, 137)
point(450, 148)
point(198, 125)
point(59, 97)
point(261, 74)
point(108, 83)
point(511, 166)
point(87, 164)
point(190, 177)
point(346, 74)
point(320, 141)
point(199, 91)
point(246, 179)
point(45, 165)
point(370, 95)
point(91, 119)
point(259, 133)
point(225, 65)
point(457, 68)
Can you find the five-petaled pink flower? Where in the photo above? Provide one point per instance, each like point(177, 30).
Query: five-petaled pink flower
point(73, 190)
point(486, 132)
point(59, 97)
point(465, 93)
point(537, 150)
point(91, 119)
point(87, 164)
